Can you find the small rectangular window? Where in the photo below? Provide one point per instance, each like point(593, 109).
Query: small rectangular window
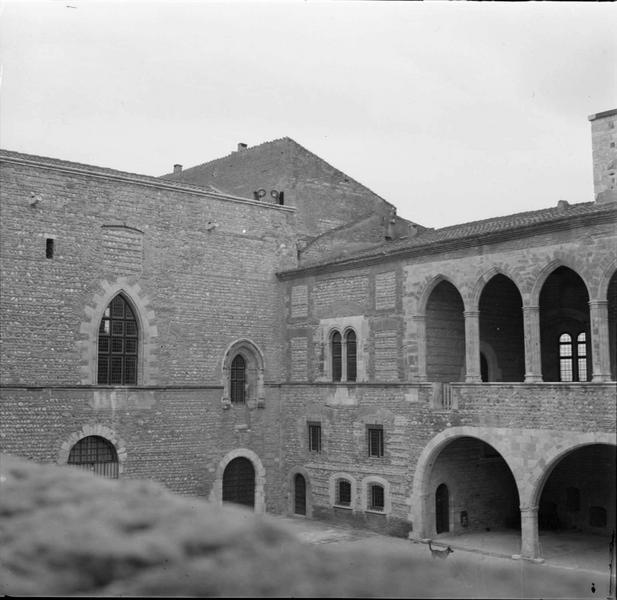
point(343, 492)
point(49, 248)
point(314, 432)
point(377, 498)
point(375, 441)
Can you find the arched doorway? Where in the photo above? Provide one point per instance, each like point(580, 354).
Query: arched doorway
point(95, 453)
point(239, 482)
point(299, 494)
point(442, 509)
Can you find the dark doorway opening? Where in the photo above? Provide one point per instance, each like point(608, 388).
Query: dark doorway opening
point(299, 495)
point(239, 482)
point(442, 509)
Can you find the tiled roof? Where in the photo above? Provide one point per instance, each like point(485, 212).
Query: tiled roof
point(475, 230)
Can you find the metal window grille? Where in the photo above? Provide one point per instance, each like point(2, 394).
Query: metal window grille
point(377, 498)
point(117, 344)
point(337, 356)
point(350, 346)
point(238, 379)
point(343, 492)
point(96, 454)
point(314, 437)
point(375, 441)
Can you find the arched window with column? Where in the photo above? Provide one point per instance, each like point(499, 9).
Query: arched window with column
point(343, 355)
point(117, 344)
point(337, 356)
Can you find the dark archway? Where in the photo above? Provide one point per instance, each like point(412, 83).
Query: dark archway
point(239, 482)
point(96, 454)
point(579, 494)
point(445, 334)
point(299, 494)
point(482, 492)
point(564, 327)
point(501, 329)
point(612, 324)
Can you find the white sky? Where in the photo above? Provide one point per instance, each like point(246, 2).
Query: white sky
point(452, 111)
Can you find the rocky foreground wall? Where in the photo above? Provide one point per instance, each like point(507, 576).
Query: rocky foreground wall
point(67, 532)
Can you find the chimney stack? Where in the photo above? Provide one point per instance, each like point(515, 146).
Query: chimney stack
point(241, 146)
point(177, 169)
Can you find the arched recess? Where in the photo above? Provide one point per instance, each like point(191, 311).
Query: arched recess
point(564, 318)
point(146, 322)
point(445, 334)
point(254, 372)
point(292, 492)
point(611, 297)
point(94, 430)
point(576, 491)
point(501, 329)
point(475, 466)
point(216, 494)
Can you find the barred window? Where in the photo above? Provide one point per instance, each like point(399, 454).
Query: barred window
point(375, 441)
point(117, 344)
point(94, 453)
point(376, 497)
point(238, 379)
point(343, 492)
point(314, 431)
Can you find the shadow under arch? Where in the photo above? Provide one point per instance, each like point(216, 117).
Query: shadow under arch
point(545, 273)
point(430, 286)
point(422, 496)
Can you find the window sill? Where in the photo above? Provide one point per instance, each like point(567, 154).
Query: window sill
point(341, 506)
point(374, 511)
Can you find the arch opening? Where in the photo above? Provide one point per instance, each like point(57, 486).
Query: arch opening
point(239, 482)
point(299, 494)
point(471, 488)
point(96, 454)
point(445, 334)
point(501, 329)
point(564, 314)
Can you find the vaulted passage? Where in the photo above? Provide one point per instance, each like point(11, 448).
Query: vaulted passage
point(471, 488)
point(579, 494)
point(445, 334)
point(501, 331)
point(564, 327)
point(239, 482)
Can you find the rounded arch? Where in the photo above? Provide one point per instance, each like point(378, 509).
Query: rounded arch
point(428, 288)
point(545, 273)
point(421, 495)
point(254, 364)
point(147, 352)
point(484, 279)
point(216, 494)
point(333, 491)
point(96, 430)
point(299, 470)
point(539, 476)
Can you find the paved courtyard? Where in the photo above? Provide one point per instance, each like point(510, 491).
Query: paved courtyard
point(575, 566)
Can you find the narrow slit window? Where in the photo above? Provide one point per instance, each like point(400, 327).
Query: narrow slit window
point(375, 441)
point(314, 437)
point(238, 379)
point(49, 248)
point(337, 356)
point(350, 346)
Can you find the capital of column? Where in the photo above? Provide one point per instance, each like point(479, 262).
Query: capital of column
point(598, 303)
point(471, 314)
point(529, 510)
point(420, 318)
point(531, 308)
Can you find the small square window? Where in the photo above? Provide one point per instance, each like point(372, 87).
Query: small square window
point(314, 433)
point(375, 440)
point(49, 248)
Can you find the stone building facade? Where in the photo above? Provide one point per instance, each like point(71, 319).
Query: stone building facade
point(312, 353)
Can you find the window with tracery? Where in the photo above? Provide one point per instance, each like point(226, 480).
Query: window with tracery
point(117, 344)
point(573, 357)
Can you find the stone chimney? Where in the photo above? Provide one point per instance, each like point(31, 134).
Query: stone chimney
point(242, 146)
point(177, 169)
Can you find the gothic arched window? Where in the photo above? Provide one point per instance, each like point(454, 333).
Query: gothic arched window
point(337, 356)
point(238, 379)
point(117, 344)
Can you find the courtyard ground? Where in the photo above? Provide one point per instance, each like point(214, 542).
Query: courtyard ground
point(575, 566)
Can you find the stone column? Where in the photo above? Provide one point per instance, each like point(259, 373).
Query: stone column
point(472, 346)
point(533, 357)
point(598, 314)
point(420, 323)
point(530, 538)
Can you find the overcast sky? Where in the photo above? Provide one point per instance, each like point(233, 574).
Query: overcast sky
point(452, 111)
